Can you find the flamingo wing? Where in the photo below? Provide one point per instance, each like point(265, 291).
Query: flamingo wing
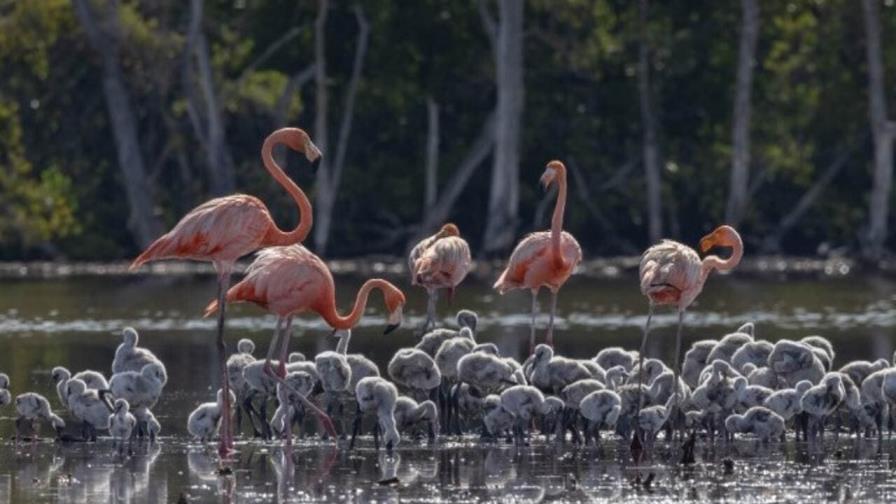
point(444, 264)
point(416, 253)
point(221, 229)
point(531, 265)
point(526, 252)
point(283, 280)
point(668, 269)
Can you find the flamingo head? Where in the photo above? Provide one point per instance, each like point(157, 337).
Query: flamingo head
point(722, 236)
point(395, 301)
point(554, 170)
point(59, 374)
point(449, 229)
point(298, 140)
point(129, 336)
point(121, 405)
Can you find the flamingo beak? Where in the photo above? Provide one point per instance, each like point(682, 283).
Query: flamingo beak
point(547, 177)
point(707, 243)
point(316, 163)
point(394, 320)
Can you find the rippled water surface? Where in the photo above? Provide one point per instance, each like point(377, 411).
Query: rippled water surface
point(75, 322)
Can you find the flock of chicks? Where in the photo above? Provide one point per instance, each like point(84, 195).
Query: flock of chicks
point(120, 405)
point(449, 384)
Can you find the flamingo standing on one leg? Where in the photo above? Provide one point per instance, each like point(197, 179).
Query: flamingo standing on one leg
point(544, 259)
point(439, 262)
point(673, 274)
point(290, 280)
point(224, 229)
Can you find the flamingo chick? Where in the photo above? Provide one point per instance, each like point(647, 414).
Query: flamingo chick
point(409, 414)
point(377, 396)
point(121, 423)
point(31, 407)
point(128, 356)
point(90, 406)
point(204, 421)
point(600, 408)
point(759, 421)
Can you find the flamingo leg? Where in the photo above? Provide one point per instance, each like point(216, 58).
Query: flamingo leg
point(284, 347)
point(532, 324)
point(676, 371)
point(641, 352)
point(322, 417)
point(550, 338)
point(225, 446)
point(433, 297)
point(275, 343)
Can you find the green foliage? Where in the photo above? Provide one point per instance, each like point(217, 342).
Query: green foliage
point(60, 183)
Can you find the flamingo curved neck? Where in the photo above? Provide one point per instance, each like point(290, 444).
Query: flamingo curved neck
point(337, 321)
point(342, 346)
point(714, 262)
point(276, 236)
point(557, 220)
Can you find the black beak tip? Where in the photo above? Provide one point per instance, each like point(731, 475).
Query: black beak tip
point(316, 163)
point(390, 328)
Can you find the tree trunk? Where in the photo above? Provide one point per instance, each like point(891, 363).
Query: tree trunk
point(449, 195)
point(102, 33)
point(882, 130)
point(210, 129)
point(503, 205)
point(329, 176)
point(432, 154)
point(648, 125)
point(740, 129)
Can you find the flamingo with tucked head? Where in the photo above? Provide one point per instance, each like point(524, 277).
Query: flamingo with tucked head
point(290, 280)
point(672, 273)
point(224, 229)
point(439, 262)
point(545, 258)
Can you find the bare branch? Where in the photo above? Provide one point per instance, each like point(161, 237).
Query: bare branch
point(621, 174)
point(488, 23)
point(293, 85)
point(478, 152)
point(431, 169)
point(584, 195)
point(772, 242)
point(267, 53)
point(348, 111)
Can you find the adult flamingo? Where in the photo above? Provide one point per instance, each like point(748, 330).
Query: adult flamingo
point(224, 229)
point(544, 259)
point(290, 280)
point(673, 274)
point(439, 262)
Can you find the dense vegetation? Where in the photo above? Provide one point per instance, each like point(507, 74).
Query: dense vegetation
point(204, 83)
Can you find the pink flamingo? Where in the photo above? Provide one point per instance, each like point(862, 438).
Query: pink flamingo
point(439, 262)
point(544, 259)
point(673, 274)
point(224, 229)
point(290, 280)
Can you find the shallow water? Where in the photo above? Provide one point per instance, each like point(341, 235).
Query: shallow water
point(467, 471)
point(75, 322)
